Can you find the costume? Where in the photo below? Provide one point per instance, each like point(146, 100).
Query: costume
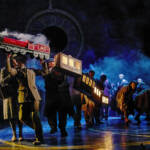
point(142, 103)
point(28, 99)
point(58, 99)
point(8, 94)
point(125, 101)
point(88, 108)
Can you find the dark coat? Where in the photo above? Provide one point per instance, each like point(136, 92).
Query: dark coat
point(142, 101)
point(57, 94)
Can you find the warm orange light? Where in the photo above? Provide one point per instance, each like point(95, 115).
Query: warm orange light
point(105, 100)
point(99, 94)
point(95, 89)
point(71, 62)
point(64, 60)
point(84, 78)
point(90, 83)
point(87, 80)
point(77, 65)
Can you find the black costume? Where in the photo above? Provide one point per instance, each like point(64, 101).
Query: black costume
point(57, 100)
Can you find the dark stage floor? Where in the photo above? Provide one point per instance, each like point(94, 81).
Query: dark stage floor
point(112, 135)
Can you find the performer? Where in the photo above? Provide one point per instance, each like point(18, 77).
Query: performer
point(122, 81)
point(98, 111)
point(58, 98)
point(28, 96)
point(125, 100)
point(88, 106)
point(107, 89)
point(76, 101)
point(142, 103)
point(8, 92)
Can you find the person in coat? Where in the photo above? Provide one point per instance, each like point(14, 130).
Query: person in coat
point(88, 105)
point(124, 99)
point(142, 104)
point(28, 96)
point(8, 92)
point(58, 100)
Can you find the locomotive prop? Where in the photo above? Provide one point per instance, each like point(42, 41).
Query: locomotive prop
point(65, 63)
point(24, 47)
point(68, 64)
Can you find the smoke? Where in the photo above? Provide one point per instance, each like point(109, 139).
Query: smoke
point(37, 39)
point(132, 63)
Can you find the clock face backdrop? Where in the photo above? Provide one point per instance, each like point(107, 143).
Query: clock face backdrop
point(61, 29)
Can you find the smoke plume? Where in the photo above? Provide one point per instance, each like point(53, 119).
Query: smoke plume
point(37, 39)
point(132, 63)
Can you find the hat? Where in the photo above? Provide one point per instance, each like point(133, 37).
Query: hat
point(50, 60)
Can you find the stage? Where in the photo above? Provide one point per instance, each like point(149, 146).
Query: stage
point(113, 134)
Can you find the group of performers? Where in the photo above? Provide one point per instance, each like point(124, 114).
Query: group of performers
point(21, 99)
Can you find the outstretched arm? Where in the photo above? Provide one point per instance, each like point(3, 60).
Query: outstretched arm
point(9, 68)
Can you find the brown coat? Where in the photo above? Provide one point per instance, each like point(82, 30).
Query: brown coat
point(30, 79)
point(124, 98)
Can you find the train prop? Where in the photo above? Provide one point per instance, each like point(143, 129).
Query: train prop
point(68, 64)
point(23, 47)
point(65, 63)
point(88, 86)
point(84, 84)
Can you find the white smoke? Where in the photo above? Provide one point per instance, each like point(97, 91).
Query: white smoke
point(36, 39)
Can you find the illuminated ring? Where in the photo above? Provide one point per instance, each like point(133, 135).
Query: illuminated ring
point(39, 19)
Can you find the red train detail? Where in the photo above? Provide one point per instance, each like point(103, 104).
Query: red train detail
point(15, 42)
point(39, 47)
point(27, 44)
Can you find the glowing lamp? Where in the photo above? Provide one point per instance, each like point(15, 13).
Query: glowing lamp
point(87, 80)
point(71, 62)
point(105, 100)
point(84, 78)
point(97, 91)
point(64, 60)
point(68, 64)
point(84, 84)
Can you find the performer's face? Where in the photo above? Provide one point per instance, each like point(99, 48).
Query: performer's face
point(121, 76)
point(133, 86)
point(91, 74)
point(51, 64)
